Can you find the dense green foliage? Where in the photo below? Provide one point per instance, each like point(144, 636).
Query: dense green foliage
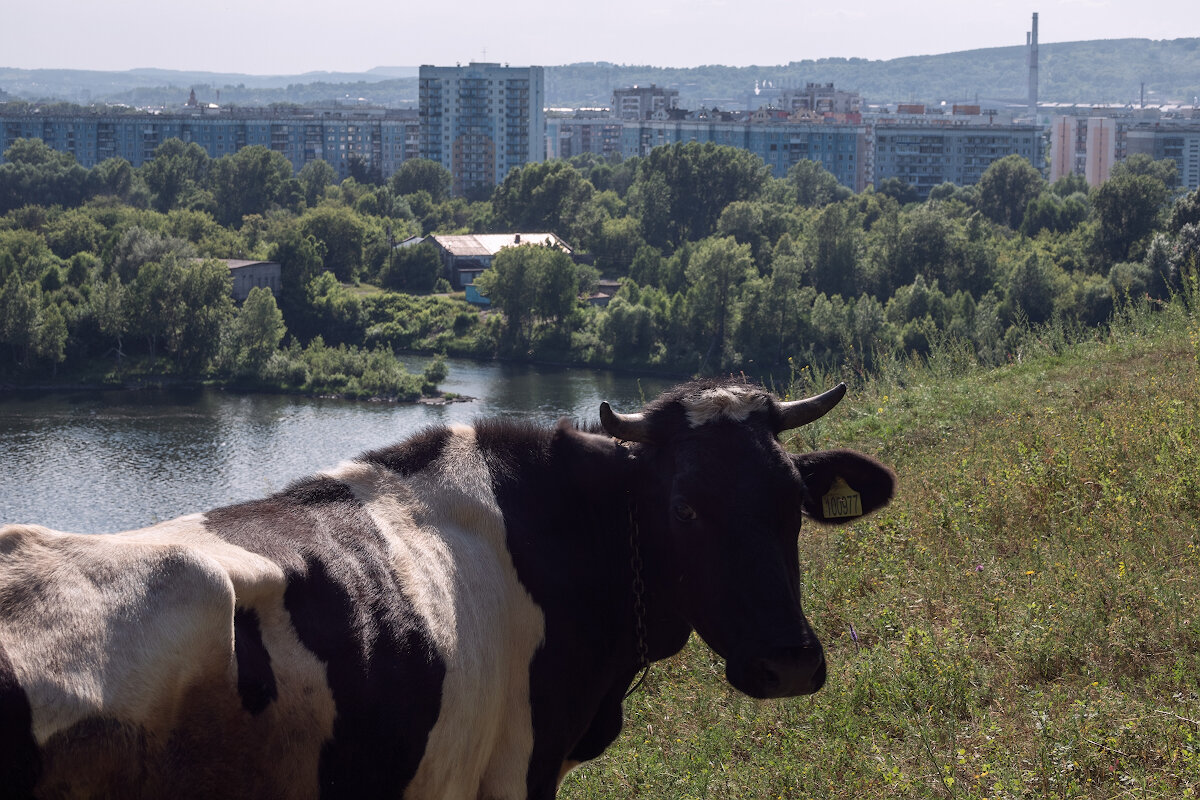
point(1100, 71)
point(1021, 622)
point(720, 266)
point(111, 273)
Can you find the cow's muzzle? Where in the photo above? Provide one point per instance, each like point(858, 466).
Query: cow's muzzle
point(787, 672)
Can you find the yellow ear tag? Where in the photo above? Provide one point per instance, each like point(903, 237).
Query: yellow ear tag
point(841, 501)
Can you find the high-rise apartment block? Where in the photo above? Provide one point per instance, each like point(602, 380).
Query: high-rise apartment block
point(643, 102)
point(481, 120)
point(1091, 144)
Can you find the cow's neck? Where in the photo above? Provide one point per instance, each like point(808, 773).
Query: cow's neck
point(666, 627)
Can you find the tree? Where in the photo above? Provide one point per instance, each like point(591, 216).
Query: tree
point(314, 177)
point(530, 283)
point(19, 316)
point(1127, 208)
point(545, 196)
point(205, 308)
point(342, 233)
point(716, 273)
point(422, 174)
point(175, 172)
point(814, 185)
point(1185, 211)
point(1031, 289)
point(115, 177)
point(1164, 170)
point(1049, 211)
point(249, 181)
point(255, 333)
point(1006, 187)
point(787, 279)
point(682, 189)
point(617, 243)
point(35, 174)
point(836, 241)
point(899, 190)
point(930, 245)
point(412, 269)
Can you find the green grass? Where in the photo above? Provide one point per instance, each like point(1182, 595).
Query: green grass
point(1027, 610)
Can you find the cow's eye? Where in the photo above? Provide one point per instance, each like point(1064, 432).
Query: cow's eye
point(684, 512)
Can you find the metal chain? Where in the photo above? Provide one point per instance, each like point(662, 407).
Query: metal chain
point(639, 606)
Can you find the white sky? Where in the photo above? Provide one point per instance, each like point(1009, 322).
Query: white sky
point(294, 36)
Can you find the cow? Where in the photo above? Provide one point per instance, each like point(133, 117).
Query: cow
point(456, 616)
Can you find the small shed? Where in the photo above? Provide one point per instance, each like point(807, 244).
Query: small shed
point(249, 274)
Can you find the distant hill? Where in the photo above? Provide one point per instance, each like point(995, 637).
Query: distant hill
point(1099, 71)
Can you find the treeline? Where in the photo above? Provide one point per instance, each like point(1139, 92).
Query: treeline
point(111, 272)
point(720, 265)
point(723, 267)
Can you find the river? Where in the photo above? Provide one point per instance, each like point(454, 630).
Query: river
point(103, 461)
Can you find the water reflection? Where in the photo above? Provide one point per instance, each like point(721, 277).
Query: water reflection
point(105, 461)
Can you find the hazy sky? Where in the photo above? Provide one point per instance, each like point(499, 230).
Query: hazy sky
point(292, 36)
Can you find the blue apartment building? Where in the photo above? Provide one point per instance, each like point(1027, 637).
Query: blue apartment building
point(381, 139)
point(925, 153)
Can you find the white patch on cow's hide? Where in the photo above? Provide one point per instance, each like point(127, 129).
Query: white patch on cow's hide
point(137, 628)
point(734, 402)
point(449, 547)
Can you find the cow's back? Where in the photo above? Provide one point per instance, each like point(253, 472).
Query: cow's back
point(121, 649)
point(360, 632)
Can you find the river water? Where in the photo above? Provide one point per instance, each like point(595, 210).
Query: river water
point(97, 462)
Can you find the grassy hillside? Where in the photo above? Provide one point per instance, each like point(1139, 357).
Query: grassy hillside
point(1023, 621)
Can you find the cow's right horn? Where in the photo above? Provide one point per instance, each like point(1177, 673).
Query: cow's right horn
point(626, 427)
point(802, 412)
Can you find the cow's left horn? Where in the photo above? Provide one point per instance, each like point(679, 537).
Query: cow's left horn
point(626, 427)
point(802, 412)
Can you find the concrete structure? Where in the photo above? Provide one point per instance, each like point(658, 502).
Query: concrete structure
point(643, 102)
point(1087, 146)
point(919, 148)
point(780, 143)
point(248, 275)
point(571, 136)
point(927, 153)
point(464, 257)
point(1032, 43)
point(818, 99)
point(1179, 142)
point(381, 139)
point(481, 120)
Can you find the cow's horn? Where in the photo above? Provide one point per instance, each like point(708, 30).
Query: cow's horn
point(802, 412)
point(626, 427)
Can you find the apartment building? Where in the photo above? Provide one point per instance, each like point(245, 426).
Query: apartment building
point(1090, 145)
point(643, 102)
point(927, 152)
point(380, 139)
point(481, 120)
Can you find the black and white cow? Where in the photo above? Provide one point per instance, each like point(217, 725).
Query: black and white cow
point(456, 616)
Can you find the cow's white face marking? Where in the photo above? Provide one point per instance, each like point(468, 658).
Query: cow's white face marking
point(733, 402)
point(448, 543)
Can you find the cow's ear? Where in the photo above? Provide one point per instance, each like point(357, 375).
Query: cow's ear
point(843, 485)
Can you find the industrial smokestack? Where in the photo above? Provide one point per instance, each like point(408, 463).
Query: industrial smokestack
point(1031, 39)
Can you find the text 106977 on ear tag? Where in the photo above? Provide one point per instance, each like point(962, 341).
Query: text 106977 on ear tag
point(841, 501)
